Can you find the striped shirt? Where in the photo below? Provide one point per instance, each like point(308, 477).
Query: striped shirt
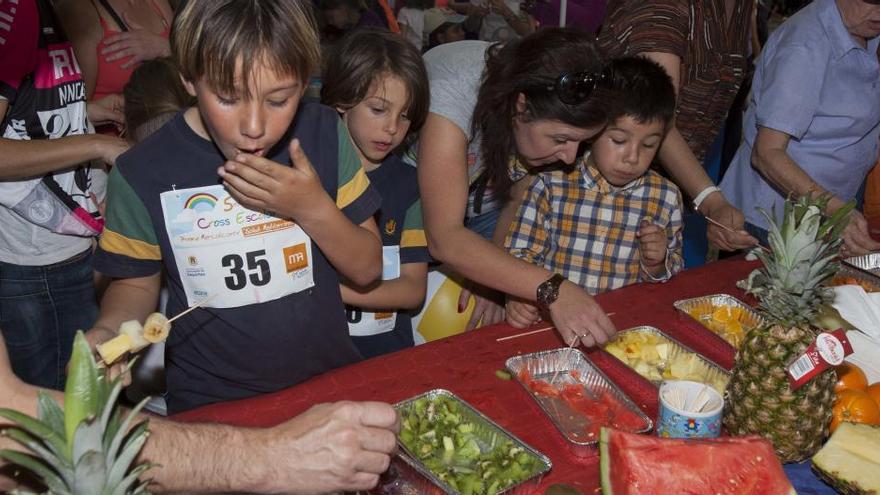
point(713, 54)
point(578, 225)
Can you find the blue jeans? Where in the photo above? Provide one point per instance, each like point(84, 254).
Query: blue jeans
point(41, 308)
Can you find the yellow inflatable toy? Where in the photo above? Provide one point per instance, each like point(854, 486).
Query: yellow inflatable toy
point(439, 316)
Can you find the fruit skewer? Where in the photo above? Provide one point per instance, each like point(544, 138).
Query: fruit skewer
point(133, 337)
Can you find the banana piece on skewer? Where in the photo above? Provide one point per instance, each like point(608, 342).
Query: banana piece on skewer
point(133, 337)
point(156, 328)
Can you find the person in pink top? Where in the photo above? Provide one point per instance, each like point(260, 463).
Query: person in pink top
point(111, 37)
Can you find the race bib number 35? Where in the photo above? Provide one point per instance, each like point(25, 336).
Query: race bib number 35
point(239, 256)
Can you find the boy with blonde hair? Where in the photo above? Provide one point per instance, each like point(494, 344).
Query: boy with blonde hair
point(249, 202)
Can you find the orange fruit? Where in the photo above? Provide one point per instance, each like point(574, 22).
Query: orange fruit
point(850, 377)
point(874, 391)
point(855, 406)
point(726, 314)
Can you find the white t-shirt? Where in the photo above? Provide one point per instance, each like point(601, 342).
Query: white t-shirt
point(414, 19)
point(494, 26)
point(455, 71)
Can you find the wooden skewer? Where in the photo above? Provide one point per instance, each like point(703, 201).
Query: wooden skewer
point(725, 227)
point(194, 306)
point(532, 332)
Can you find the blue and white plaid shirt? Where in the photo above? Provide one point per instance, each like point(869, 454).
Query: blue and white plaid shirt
point(578, 225)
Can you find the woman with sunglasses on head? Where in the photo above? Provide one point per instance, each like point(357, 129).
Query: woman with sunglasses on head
point(496, 113)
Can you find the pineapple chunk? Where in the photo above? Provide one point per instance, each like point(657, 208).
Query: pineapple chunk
point(156, 328)
point(663, 351)
point(114, 348)
point(851, 458)
point(135, 332)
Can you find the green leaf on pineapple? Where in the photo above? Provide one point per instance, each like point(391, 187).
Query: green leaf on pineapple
point(53, 482)
point(38, 429)
point(91, 474)
point(81, 389)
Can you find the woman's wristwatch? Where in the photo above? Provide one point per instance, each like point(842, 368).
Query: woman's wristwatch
point(548, 291)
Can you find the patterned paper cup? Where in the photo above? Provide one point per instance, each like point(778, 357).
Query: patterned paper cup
point(677, 422)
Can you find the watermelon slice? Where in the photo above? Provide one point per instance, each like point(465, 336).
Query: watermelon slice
point(647, 465)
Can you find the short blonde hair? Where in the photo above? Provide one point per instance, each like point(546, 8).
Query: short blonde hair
point(216, 40)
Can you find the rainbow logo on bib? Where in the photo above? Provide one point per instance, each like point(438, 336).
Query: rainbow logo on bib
point(200, 202)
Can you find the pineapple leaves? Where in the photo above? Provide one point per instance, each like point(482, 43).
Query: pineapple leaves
point(55, 484)
point(80, 391)
point(804, 248)
point(39, 430)
point(86, 447)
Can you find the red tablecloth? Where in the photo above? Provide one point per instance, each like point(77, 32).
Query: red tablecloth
point(466, 365)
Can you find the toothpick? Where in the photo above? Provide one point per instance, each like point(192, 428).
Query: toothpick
point(194, 306)
point(532, 332)
point(516, 336)
point(725, 227)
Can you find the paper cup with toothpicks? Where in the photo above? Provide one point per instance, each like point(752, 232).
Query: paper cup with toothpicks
point(689, 410)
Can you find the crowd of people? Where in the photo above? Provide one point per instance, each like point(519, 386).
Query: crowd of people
point(154, 146)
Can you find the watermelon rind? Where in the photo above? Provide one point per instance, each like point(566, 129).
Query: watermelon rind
point(605, 461)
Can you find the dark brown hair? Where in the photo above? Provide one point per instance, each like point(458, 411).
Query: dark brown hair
point(219, 40)
point(530, 66)
point(641, 89)
point(153, 94)
point(362, 57)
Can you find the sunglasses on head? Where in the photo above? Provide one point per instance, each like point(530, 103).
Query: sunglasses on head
point(576, 87)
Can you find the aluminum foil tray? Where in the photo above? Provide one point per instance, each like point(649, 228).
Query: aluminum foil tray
point(701, 309)
point(485, 430)
point(706, 371)
point(570, 366)
point(864, 269)
point(869, 262)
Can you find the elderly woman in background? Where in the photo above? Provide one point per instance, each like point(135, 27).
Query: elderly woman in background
point(814, 117)
point(703, 45)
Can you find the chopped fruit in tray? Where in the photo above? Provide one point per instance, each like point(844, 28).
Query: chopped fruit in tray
point(844, 280)
point(438, 434)
point(726, 321)
point(604, 409)
point(657, 358)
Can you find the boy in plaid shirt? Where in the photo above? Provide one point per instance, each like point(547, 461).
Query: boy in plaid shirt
point(609, 221)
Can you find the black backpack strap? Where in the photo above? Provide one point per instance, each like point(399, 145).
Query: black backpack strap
point(116, 18)
point(478, 189)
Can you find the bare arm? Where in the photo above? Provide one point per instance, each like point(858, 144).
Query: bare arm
point(404, 292)
point(770, 159)
point(23, 159)
point(443, 182)
point(678, 159)
point(125, 299)
point(329, 448)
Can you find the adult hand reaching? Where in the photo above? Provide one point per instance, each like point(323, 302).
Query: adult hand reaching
point(339, 447)
point(576, 313)
point(135, 46)
point(856, 236)
point(726, 214)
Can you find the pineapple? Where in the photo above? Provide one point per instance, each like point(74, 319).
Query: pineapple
point(88, 447)
point(759, 399)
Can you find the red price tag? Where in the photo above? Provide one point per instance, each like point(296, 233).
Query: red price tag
point(827, 351)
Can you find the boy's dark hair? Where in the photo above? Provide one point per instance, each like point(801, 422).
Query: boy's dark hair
point(362, 57)
point(532, 66)
point(153, 94)
point(640, 88)
point(220, 39)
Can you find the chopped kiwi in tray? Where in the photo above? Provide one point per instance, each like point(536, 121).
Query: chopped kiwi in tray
point(469, 457)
